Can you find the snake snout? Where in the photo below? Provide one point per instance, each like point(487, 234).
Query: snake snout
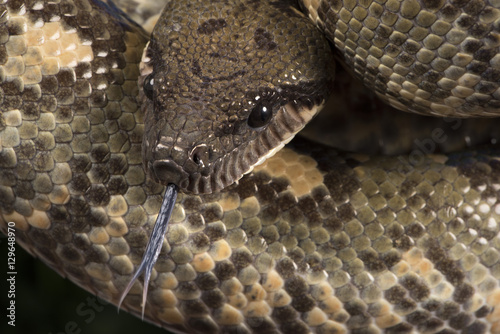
point(167, 171)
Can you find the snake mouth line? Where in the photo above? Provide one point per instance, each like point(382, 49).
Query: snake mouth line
point(290, 119)
point(226, 170)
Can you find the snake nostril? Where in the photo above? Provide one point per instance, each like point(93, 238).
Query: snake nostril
point(200, 155)
point(169, 172)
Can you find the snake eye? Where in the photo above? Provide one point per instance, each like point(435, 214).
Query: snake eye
point(260, 116)
point(148, 86)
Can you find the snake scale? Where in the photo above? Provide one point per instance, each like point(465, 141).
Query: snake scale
point(312, 240)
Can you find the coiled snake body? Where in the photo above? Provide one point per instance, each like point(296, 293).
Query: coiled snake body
point(311, 240)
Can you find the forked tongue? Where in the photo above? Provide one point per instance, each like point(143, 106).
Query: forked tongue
point(154, 244)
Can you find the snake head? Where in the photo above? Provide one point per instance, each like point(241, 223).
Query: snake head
point(225, 86)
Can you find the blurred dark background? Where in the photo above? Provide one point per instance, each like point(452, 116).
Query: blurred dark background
point(46, 303)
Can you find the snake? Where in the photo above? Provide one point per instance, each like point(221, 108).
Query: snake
point(98, 118)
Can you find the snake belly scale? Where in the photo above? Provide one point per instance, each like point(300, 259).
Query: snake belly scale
point(311, 241)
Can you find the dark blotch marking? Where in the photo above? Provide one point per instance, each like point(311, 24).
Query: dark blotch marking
point(405, 243)
point(491, 74)
point(270, 214)
point(261, 325)
point(286, 201)
point(69, 253)
point(42, 238)
point(395, 294)
point(99, 153)
point(266, 194)
point(23, 190)
point(80, 182)
point(206, 281)
point(296, 286)
point(355, 307)
point(241, 259)
point(483, 311)
point(345, 212)
point(477, 327)
point(477, 67)
point(210, 26)
point(195, 308)
point(24, 151)
point(295, 326)
point(117, 164)
point(57, 213)
point(430, 325)
point(333, 225)
point(284, 314)
point(192, 203)
point(463, 293)
point(447, 266)
point(319, 194)
point(213, 298)
point(215, 231)
point(451, 270)
point(264, 40)
point(465, 22)
point(415, 230)
point(391, 258)
point(479, 30)
point(418, 316)
point(80, 163)
point(224, 270)
point(78, 206)
point(303, 303)
point(431, 305)
point(472, 45)
point(307, 204)
point(327, 207)
point(66, 77)
point(246, 188)
point(314, 219)
point(285, 267)
point(359, 320)
point(448, 310)
point(406, 305)
point(474, 7)
point(280, 184)
point(97, 195)
point(117, 185)
point(81, 224)
point(92, 255)
point(460, 321)
point(433, 4)
point(212, 213)
point(136, 238)
point(200, 240)
point(31, 111)
point(372, 261)
point(196, 221)
point(400, 328)
point(61, 233)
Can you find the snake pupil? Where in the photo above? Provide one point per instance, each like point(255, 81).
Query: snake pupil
point(260, 116)
point(148, 86)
